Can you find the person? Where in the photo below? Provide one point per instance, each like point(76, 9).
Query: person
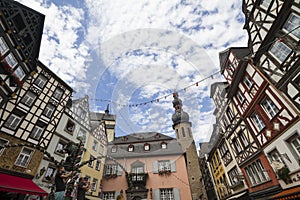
point(82, 187)
point(60, 183)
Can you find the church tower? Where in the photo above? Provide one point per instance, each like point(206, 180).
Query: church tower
point(184, 136)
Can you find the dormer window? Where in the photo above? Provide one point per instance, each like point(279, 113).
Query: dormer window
point(147, 147)
point(114, 149)
point(164, 145)
point(130, 148)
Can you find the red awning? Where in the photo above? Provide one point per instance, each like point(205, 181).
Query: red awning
point(20, 185)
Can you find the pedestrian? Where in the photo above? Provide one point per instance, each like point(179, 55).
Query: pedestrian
point(60, 183)
point(83, 186)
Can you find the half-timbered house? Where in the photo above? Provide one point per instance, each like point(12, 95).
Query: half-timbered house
point(30, 119)
point(21, 31)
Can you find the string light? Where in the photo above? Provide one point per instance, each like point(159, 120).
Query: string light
point(281, 39)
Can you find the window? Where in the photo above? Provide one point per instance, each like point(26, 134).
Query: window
point(147, 147)
point(40, 81)
point(275, 156)
point(81, 134)
point(70, 126)
point(94, 184)
point(295, 143)
point(258, 122)
point(137, 170)
point(164, 165)
point(233, 176)
point(256, 173)
point(237, 145)
point(98, 165)
point(24, 157)
point(164, 145)
point(110, 169)
point(182, 132)
point(60, 146)
point(11, 60)
point(230, 69)
point(265, 3)
point(29, 98)
point(166, 194)
point(114, 149)
point(36, 132)
point(240, 97)
point(91, 163)
point(243, 139)
point(20, 73)
point(101, 149)
point(58, 93)
point(131, 148)
point(13, 121)
point(230, 114)
point(280, 51)
point(248, 82)
point(2, 144)
point(49, 110)
point(269, 107)
point(3, 46)
point(108, 195)
point(49, 173)
point(95, 145)
point(292, 25)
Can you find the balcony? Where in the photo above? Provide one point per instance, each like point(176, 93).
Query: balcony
point(137, 179)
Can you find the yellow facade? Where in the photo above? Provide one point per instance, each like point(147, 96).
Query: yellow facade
point(219, 175)
point(91, 170)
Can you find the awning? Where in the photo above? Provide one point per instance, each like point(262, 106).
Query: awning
point(287, 194)
point(237, 196)
point(20, 185)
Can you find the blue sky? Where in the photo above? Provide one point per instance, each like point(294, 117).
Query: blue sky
point(132, 52)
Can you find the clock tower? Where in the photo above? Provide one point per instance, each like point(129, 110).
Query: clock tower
point(184, 136)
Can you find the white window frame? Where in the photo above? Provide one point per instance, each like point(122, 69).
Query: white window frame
point(166, 194)
point(248, 82)
point(164, 165)
point(269, 107)
point(13, 121)
point(240, 97)
point(49, 173)
point(295, 146)
point(131, 148)
point(3, 46)
point(60, 146)
point(259, 124)
point(81, 133)
point(29, 98)
point(91, 163)
point(98, 165)
point(36, 132)
point(147, 147)
point(3, 142)
point(49, 110)
point(111, 169)
point(256, 173)
point(95, 145)
point(40, 81)
point(108, 195)
point(24, 158)
point(291, 26)
point(244, 139)
point(11, 60)
point(113, 149)
point(94, 184)
point(58, 93)
point(20, 73)
point(164, 145)
point(101, 149)
point(280, 51)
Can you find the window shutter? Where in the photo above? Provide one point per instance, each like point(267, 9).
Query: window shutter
point(116, 194)
point(173, 166)
point(155, 167)
point(120, 171)
point(176, 194)
point(156, 194)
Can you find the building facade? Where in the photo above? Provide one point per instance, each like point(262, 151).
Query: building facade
point(146, 165)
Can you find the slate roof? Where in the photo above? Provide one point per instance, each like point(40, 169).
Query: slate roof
point(138, 140)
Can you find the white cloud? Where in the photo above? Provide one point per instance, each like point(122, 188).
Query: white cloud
point(179, 45)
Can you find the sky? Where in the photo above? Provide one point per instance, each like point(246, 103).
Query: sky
point(134, 54)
